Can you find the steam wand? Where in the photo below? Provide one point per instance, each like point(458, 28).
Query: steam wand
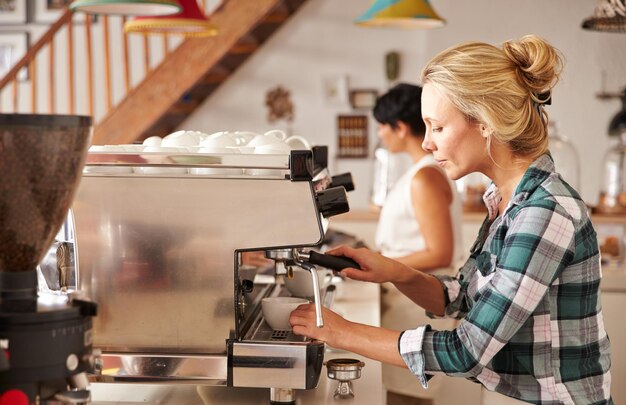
point(306, 260)
point(319, 320)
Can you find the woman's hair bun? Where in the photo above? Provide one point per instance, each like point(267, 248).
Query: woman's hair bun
point(539, 64)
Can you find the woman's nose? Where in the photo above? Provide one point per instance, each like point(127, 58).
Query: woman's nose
point(427, 143)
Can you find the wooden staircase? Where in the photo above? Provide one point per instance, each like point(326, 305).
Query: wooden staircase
point(185, 77)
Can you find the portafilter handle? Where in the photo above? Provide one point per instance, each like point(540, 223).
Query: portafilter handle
point(336, 263)
point(319, 319)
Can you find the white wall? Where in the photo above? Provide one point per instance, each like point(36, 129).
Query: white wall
point(321, 41)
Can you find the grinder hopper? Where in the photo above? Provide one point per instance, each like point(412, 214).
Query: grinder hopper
point(46, 344)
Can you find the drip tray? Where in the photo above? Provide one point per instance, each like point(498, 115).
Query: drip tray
point(260, 331)
point(266, 334)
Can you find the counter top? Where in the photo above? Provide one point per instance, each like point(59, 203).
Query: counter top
point(371, 214)
point(358, 302)
point(363, 224)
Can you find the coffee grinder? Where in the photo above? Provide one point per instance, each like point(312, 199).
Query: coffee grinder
point(45, 338)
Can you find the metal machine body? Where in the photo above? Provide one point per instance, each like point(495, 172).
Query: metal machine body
point(161, 253)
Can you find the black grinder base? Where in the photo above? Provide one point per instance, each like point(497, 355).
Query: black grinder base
point(45, 342)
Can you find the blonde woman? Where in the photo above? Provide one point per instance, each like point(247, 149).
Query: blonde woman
point(528, 297)
point(419, 226)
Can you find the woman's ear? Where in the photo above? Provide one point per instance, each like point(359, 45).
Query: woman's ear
point(485, 131)
point(403, 130)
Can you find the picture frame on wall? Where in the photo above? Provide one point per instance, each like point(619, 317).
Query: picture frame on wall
point(48, 11)
point(12, 12)
point(13, 47)
point(363, 99)
point(335, 89)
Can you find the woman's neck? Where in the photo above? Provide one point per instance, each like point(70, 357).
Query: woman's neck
point(506, 171)
point(414, 149)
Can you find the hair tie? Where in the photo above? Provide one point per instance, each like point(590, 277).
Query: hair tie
point(544, 99)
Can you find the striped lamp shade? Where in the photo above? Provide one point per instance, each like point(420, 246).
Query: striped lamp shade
point(190, 22)
point(401, 14)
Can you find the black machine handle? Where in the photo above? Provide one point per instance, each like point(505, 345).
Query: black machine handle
point(332, 201)
point(336, 263)
point(344, 180)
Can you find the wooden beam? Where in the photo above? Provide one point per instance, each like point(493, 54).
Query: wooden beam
point(215, 78)
point(179, 72)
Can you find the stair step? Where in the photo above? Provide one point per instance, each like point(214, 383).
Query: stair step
point(184, 109)
point(215, 78)
point(179, 92)
point(276, 18)
point(244, 48)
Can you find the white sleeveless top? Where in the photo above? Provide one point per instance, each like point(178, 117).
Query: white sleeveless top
point(398, 233)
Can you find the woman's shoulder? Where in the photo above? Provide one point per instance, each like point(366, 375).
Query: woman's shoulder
point(555, 196)
point(430, 179)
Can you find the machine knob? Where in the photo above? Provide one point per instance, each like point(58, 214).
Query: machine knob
point(332, 201)
point(344, 180)
point(247, 286)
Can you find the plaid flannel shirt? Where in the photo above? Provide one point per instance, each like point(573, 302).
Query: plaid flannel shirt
point(529, 299)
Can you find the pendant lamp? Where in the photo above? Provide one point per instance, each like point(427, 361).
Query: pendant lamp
point(608, 16)
point(401, 14)
point(126, 7)
point(190, 22)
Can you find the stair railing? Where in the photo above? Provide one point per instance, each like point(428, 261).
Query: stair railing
point(94, 72)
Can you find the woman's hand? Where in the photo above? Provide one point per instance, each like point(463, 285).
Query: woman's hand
point(369, 341)
point(302, 320)
point(256, 258)
point(375, 267)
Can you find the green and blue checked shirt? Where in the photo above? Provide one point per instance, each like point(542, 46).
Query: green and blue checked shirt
point(529, 300)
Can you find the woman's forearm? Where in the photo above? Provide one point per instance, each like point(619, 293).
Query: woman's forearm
point(426, 260)
point(423, 289)
point(372, 342)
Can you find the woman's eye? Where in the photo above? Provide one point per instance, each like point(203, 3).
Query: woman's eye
point(436, 129)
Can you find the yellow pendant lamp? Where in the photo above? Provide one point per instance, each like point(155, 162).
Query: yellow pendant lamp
point(190, 22)
point(401, 14)
point(126, 7)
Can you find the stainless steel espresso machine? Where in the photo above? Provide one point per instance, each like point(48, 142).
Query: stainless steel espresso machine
point(159, 239)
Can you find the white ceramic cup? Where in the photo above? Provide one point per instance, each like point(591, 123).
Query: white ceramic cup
point(298, 143)
point(273, 149)
point(243, 137)
point(153, 141)
point(181, 138)
point(261, 140)
point(301, 284)
point(276, 310)
point(279, 148)
point(219, 140)
point(276, 133)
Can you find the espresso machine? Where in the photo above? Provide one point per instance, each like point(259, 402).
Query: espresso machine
point(161, 250)
point(46, 339)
